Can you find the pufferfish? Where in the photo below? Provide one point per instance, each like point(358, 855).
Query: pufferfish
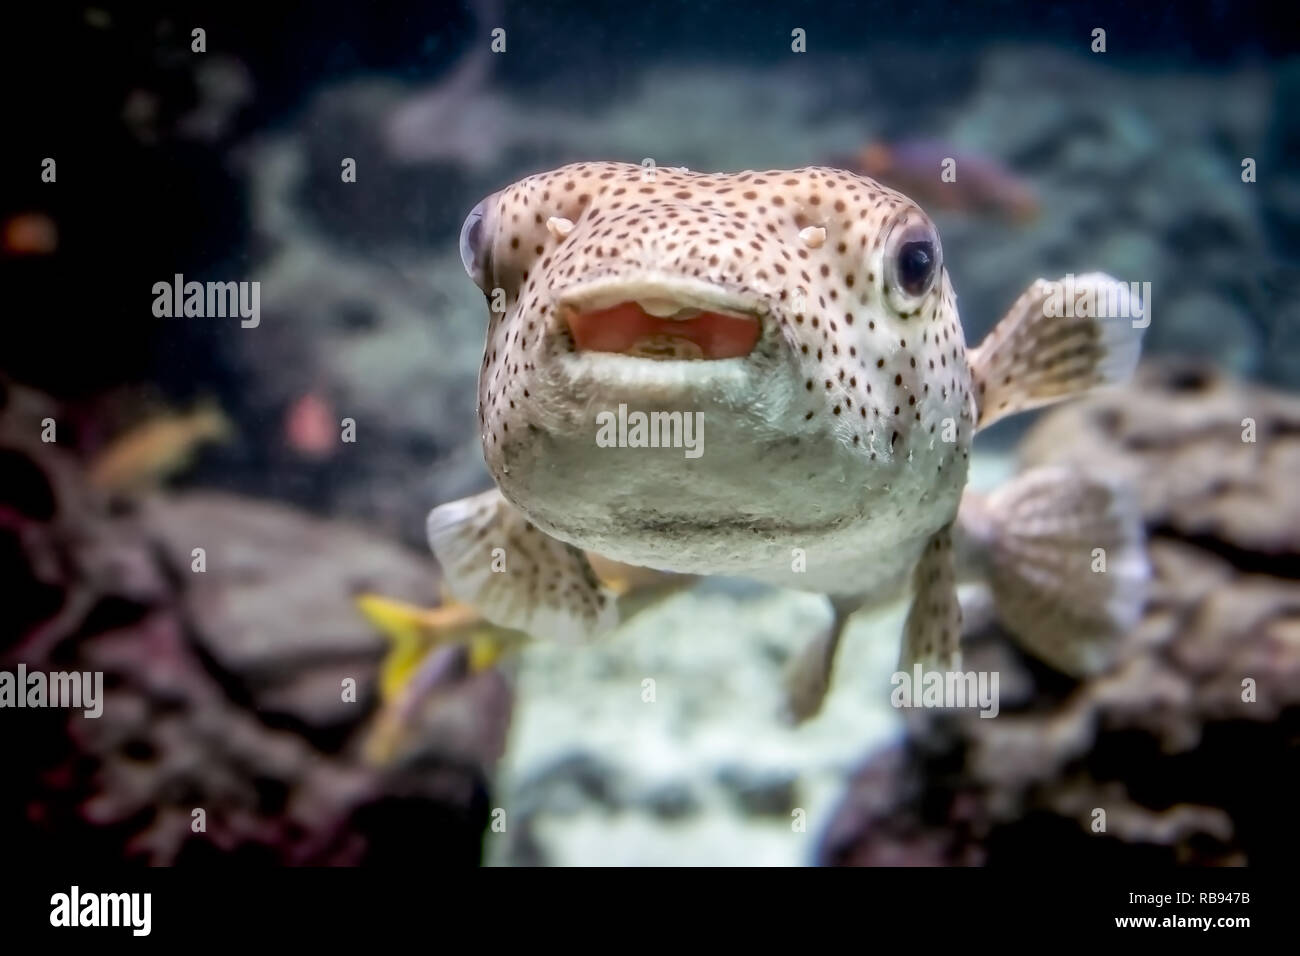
point(804, 321)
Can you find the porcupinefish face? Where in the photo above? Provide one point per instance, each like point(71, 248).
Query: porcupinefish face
point(790, 339)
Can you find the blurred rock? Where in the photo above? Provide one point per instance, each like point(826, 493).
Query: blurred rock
point(1207, 327)
point(704, 772)
point(222, 689)
point(1181, 434)
point(1189, 744)
point(274, 607)
point(773, 795)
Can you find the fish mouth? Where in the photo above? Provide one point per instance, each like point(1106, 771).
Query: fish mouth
point(661, 319)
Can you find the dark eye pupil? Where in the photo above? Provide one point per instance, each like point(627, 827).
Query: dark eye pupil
point(915, 266)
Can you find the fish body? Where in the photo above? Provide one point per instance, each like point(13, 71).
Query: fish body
point(825, 437)
point(803, 324)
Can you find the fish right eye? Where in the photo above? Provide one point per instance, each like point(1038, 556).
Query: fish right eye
point(473, 250)
point(915, 260)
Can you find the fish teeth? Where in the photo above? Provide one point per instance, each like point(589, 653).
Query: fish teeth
point(666, 309)
point(665, 347)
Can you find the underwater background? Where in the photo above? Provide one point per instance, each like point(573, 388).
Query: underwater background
point(1168, 156)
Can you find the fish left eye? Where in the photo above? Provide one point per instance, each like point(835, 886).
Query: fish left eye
point(473, 254)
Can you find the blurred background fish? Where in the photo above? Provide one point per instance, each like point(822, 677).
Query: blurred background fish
point(158, 448)
point(938, 176)
point(29, 234)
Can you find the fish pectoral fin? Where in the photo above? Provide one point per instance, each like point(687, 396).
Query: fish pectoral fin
point(517, 576)
point(932, 634)
point(807, 677)
point(1067, 564)
point(1058, 340)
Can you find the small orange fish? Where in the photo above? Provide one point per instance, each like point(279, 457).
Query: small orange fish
point(29, 234)
point(158, 448)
